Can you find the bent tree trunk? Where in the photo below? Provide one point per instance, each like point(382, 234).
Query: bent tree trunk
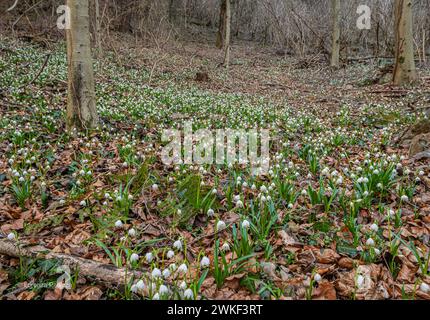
point(81, 101)
point(335, 51)
point(404, 70)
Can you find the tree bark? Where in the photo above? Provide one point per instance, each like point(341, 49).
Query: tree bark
point(404, 70)
point(227, 33)
point(98, 27)
point(81, 102)
point(105, 273)
point(335, 51)
point(221, 28)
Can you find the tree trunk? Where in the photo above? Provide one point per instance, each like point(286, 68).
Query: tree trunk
point(227, 33)
point(221, 29)
point(335, 51)
point(404, 70)
point(81, 102)
point(98, 28)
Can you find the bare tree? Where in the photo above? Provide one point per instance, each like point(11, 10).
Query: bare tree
point(404, 70)
point(81, 104)
point(335, 51)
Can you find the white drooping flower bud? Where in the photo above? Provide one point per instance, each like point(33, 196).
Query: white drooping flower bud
point(149, 257)
point(170, 254)
point(317, 277)
point(183, 268)
point(220, 225)
point(177, 245)
point(118, 224)
point(188, 294)
point(132, 232)
point(245, 224)
point(156, 273)
point(205, 262)
point(424, 287)
point(134, 257)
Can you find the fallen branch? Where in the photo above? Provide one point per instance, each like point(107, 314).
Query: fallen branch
point(45, 63)
point(105, 273)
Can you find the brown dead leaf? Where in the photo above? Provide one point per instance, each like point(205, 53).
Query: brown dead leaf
point(26, 295)
point(55, 294)
point(233, 282)
point(324, 291)
point(346, 263)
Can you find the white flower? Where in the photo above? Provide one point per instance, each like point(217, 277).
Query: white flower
point(83, 203)
point(205, 262)
point(154, 187)
point(183, 268)
point(239, 204)
point(134, 257)
point(183, 285)
point(163, 290)
point(156, 273)
point(377, 251)
point(214, 191)
point(11, 236)
point(360, 281)
point(374, 227)
point(317, 277)
point(179, 212)
point(245, 224)
point(118, 224)
point(211, 212)
point(170, 254)
point(172, 267)
point(379, 185)
point(304, 192)
point(166, 273)
point(149, 257)
point(134, 288)
point(156, 297)
point(404, 198)
point(370, 242)
point(421, 173)
point(188, 294)
point(140, 285)
point(62, 202)
point(132, 232)
point(220, 225)
point(424, 287)
point(225, 247)
point(177, 245)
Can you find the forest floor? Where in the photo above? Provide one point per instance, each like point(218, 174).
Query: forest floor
point(343, 213)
